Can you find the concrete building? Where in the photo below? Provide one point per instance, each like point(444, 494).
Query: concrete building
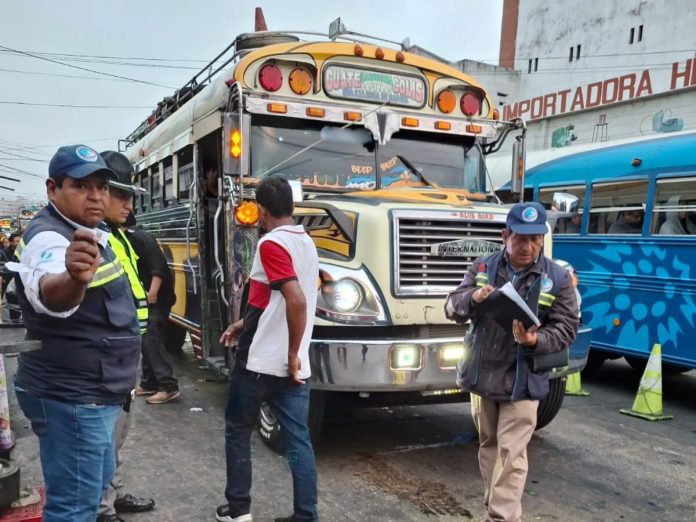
point(581, 72)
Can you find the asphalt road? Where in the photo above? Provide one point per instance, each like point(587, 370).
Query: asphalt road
point(419, 463)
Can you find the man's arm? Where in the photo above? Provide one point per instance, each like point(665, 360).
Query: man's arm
point(562, 323)
point(64, 291)
point(155, 285)
point(296, 314)
point(463, 299)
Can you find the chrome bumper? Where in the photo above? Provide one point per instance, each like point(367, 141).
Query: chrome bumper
point(367, 366)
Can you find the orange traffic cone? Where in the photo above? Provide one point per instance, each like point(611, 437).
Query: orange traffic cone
point(648, 403)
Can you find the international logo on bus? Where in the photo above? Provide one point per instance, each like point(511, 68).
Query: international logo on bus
point(353, 83)
point(465, 248)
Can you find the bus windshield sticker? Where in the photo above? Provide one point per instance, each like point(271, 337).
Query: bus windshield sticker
point(465, 248)
point(352, 83)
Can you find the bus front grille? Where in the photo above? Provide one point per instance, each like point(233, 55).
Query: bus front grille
point(417, 270)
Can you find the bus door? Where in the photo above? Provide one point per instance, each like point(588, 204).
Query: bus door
point(211, 240)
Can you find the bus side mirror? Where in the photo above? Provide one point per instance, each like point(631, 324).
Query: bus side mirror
point(564, 202)
point(518, 160)
point(297, 194)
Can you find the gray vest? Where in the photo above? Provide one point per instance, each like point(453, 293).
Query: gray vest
point(91, 356)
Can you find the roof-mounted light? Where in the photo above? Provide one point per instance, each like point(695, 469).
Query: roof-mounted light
point(270, 77)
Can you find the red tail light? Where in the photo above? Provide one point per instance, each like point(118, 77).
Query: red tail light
point(469, 104)
point(270, 77)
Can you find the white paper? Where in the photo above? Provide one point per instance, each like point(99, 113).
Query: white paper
point(512, 294)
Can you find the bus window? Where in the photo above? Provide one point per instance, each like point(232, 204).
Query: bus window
point(156, 194)
point(565, 225)
point(168, 182)
point(185, 173)
point(145, 196)
point(617, 208)
point(674, 212)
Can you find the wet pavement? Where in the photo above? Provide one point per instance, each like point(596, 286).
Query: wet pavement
point(417, 463)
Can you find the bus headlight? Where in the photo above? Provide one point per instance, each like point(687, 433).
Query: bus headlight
point(348, 296)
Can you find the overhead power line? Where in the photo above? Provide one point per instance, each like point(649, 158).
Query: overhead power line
point(5, 102)
point(84, 68)
point(63, 55)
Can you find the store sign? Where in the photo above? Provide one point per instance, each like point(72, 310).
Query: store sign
point(353, 83)
point(629, 86)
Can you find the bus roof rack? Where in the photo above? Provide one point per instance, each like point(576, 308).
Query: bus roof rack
point(242, 44)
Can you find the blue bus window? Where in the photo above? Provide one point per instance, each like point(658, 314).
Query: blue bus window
point(674, 213)
point(618, 208)
point(566, 224)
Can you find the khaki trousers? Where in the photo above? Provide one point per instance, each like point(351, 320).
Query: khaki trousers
point(505, 429)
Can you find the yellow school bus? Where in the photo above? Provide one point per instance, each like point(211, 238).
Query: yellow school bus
point(386, 151)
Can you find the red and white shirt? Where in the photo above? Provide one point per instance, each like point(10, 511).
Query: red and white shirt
point(284, 254)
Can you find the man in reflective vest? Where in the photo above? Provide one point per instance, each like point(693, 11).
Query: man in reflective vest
point(75, 298)
point(495, 369)
point(114, 500)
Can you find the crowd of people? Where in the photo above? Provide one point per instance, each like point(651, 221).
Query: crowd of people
point(97, 291)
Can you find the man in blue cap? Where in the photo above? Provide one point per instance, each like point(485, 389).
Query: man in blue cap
point(505, 393)
point(75, 298)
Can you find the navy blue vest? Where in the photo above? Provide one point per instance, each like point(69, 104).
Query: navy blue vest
point(91, 356)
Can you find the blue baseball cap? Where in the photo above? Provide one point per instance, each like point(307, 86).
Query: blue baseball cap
point(77, 162)
point(527, 218)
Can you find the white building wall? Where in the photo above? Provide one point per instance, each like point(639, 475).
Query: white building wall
point(615, 89)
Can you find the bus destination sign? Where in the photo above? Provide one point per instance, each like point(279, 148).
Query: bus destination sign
point(353, 83)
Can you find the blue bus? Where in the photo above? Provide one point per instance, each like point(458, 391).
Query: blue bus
point(628, 226)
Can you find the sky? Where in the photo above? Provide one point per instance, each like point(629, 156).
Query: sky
point(165, 42)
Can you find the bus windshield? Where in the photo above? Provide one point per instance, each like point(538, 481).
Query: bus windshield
point(332, 158)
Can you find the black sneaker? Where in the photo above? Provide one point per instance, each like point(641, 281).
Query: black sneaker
point(223, 514)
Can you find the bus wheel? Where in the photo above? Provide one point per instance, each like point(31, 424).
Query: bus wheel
point(637, 363)
point(549, 405)
point(269, 427)
point(174, 338)
point(594, 362)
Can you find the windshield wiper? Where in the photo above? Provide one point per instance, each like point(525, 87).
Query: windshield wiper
point(414, 170)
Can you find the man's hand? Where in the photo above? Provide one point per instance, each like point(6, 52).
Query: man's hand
point(152, 299)
point(229, 336)
point(522, 335)
point(480, 294)
point(294, 366)
point(82, 256)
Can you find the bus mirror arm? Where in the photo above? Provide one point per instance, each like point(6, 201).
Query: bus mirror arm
point(216, 242)
point(342, 221)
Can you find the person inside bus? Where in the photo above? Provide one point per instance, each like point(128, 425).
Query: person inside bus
point(628, 222)
point(573, 225)
point(675, 220)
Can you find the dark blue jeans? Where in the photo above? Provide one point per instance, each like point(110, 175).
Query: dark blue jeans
point(290, 405)
point(76, 447)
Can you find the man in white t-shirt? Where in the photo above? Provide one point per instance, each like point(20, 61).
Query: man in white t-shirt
point(272, 360)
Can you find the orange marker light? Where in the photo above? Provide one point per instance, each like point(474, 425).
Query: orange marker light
point(443, 125)
point(315, 112)
point(300, 81)
point(400, 57)
point(617, 321)
point(235, 144)
point(410, 122)
point(358, 50)
point(379, 53)
point(496, 114)
point(247, 213)
point(446, 101)
point(474, 129)
point(352, 116)
point(279, 108)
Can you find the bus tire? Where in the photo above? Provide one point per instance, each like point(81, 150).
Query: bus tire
point(551, 404)
point(270, 430)
point(174, 338)
point(594, 362)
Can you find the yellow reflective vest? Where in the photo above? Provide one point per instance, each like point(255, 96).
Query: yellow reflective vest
point(129, 261)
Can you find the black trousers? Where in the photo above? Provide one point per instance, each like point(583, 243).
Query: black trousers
point(158, 374)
